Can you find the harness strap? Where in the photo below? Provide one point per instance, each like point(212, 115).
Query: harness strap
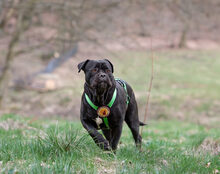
point(123, 84)
point(109, 105)
point(90, 102)
point(113, 98)
point(105, 119)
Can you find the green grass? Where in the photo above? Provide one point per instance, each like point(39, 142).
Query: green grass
point(61, 146)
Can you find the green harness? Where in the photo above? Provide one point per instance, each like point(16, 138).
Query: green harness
point(105, 119)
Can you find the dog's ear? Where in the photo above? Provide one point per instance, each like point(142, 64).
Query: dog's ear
point(81, 66)
point(110, 64)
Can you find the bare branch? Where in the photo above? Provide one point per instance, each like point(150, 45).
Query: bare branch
point(149, 89)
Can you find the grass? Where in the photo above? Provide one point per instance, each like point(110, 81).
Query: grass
point(61, 146)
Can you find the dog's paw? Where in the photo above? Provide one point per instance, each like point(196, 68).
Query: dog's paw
point(104, 145)
point(107, 147)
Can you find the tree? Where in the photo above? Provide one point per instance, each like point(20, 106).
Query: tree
point(74, 21)
point(22, 12)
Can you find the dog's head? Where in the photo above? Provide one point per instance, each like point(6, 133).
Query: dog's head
point(98, 74)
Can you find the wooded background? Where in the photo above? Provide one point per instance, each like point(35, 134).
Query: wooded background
point(41, 42)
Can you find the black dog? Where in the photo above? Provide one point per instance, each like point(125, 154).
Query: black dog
point(106, 103)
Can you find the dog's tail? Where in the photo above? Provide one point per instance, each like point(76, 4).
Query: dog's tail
point(141, 123)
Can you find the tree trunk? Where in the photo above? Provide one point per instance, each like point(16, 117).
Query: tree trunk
point(4, 78)
point(182, 42)
point(21, 26)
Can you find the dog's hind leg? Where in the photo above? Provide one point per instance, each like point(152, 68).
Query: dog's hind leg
point(132, 120)
point(135, 132)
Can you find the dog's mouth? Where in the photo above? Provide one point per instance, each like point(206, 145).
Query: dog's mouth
point(101, 86)
point(101, 83)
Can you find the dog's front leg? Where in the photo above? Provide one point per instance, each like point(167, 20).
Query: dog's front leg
point(116, 134)
point(97, 137)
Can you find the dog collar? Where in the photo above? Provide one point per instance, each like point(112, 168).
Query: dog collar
point(103, 111)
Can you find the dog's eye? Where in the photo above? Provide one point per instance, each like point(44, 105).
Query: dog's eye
point(107, 71)
point(95, 70)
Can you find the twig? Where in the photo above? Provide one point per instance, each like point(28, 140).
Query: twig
point(149, 89)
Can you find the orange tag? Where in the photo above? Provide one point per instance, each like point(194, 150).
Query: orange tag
point(103, 111)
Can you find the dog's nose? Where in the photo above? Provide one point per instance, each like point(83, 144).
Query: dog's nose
point(102, 75)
